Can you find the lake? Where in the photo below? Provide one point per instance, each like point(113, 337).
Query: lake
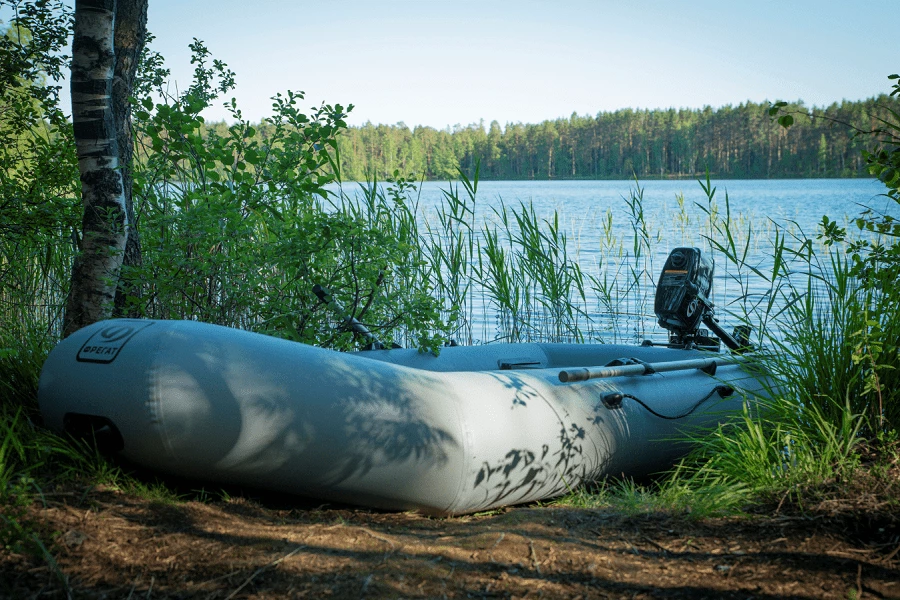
point(619, 244)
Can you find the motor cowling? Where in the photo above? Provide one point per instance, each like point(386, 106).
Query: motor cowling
point(682, 293)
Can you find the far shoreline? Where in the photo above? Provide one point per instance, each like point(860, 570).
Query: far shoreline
point(700, 177)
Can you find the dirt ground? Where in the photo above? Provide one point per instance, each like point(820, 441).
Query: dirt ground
point(112, 545)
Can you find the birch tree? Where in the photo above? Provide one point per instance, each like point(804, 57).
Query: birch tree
point(129, 39)
point(107, 219)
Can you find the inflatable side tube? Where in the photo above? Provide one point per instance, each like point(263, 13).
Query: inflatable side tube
point(221, 404)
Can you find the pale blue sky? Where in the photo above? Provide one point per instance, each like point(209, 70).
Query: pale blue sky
point(441, 63)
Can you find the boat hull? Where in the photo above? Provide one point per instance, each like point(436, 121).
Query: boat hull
point(470, 430)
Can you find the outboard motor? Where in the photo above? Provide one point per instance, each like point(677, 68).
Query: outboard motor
point(682, 304)
point(683, 289)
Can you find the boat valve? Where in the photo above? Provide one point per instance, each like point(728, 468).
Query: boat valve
point(612, 400)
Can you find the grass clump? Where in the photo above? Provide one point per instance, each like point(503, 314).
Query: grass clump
point(834, 367)
point(671, 495)
point(829, 344)
point(827, 331)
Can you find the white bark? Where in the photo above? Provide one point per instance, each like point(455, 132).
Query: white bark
point(105, 224)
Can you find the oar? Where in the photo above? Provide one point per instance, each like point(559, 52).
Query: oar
point(707, 365)
point(349, 321)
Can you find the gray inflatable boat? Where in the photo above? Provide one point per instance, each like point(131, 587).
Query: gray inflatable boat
point(472, 429)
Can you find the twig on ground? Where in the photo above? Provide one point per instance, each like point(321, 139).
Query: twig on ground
point(274, 563)
point(630, 545)
point(890, 556)
point(859, 590)
point(377, 537)
point(534, 560)
point(658, 545)
point(499, 539)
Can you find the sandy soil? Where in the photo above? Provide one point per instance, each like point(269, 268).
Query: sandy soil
point(112, 545)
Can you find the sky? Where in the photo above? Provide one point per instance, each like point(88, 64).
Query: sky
point(443, 63)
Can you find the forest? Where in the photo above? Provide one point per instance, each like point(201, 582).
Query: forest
point(729, 142)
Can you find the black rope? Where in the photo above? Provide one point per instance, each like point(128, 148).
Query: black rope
point(723, 390)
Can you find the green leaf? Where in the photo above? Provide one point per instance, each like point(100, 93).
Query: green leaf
point(773, 110)
point(786, 121)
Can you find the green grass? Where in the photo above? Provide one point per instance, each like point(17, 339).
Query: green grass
point(829, 342)
point(670, 495)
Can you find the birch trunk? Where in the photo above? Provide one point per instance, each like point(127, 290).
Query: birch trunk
point(129, 38)
point(105, 224)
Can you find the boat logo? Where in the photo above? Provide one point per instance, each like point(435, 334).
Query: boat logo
point(104, 346)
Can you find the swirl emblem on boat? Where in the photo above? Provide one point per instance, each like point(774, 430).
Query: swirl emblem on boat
point(104, 345)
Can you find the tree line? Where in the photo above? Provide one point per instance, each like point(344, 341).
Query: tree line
point(730, 142)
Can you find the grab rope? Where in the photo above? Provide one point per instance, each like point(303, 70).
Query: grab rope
point(614, 400)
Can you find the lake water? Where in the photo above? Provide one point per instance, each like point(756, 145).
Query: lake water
point(803, 200)
point(599, 227)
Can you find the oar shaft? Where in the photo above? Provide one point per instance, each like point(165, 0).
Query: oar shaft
point(571, 375)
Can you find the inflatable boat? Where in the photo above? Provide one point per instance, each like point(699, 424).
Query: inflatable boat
point(469, 430)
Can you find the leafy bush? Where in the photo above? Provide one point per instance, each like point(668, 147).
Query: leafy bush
point(38, 172)
point(237, 225)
